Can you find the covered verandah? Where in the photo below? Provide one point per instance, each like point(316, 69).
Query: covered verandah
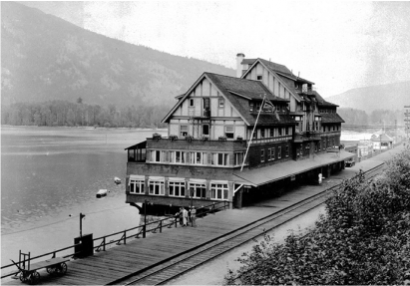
point(278, 177)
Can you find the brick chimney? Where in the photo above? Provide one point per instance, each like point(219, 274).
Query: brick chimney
point(239, 59)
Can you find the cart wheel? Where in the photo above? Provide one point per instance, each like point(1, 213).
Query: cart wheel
point(50, 270)
point(34, 278)
point(23, 278)
point(61, 269)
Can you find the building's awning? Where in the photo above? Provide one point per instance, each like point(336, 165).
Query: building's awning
point(269, 174)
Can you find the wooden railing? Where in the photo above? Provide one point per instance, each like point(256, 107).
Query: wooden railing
point(134, 232)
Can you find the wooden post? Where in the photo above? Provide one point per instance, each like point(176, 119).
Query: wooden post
point(125, 237)
point(160, 226)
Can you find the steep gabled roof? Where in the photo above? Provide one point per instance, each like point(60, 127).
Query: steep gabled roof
point(321, 101)
point(238, 92)
point(300, 79)
point(278, 70)
point(331, 118)
point(252, 89)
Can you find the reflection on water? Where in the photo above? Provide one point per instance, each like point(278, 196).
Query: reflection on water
point(45, 171)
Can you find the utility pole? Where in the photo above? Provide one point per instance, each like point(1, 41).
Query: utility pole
point(407, 120)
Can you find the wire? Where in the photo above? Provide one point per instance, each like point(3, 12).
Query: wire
point(56, 222)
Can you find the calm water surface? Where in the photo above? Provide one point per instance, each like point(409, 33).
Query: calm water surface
point(45, 171)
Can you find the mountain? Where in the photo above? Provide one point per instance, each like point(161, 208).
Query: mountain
point(388, 96)
point(46, 58)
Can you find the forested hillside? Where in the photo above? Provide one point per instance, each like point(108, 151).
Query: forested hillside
point(45, 58)
point(388, 97)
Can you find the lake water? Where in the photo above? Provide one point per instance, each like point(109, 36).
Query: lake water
point(49, 173)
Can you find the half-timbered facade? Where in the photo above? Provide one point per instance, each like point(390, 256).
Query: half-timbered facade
point(224, 127)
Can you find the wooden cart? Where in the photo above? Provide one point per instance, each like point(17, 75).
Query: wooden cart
point(29, 274)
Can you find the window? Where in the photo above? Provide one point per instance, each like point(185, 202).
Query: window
point(156, 156)
point(179, 157)
point(280, 131)
point(156, 187)
point(262, 133)
point(229, 132)
point(183, 130)
point(262, 155)
point(190, 157)
point(286, 151)
point(219, 191)
point(198, 158)
point(205, 130)
point(197, 190)
point(287, 131)
point(279, 152)
point(191, 102)
point(259, 77)
point(223, 159)
point(239, 158)
point(177, 188)
point(271, 132)
point(137, 186)
point(272, 155)
point(206, 103)
point(164, 156)
point(221, 102)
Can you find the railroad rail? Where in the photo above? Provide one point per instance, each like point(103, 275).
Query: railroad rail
point(169, 269)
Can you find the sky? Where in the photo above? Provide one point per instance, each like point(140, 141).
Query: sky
point(337, 45)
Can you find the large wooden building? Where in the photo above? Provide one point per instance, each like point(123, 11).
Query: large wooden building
point(227, 135)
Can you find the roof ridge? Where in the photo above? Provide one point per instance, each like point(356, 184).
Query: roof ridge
point(234, 77)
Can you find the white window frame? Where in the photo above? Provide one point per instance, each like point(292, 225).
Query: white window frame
point(176, 185)
point(225, 159)
point(199, 187)
point(219, 190)
point(137, 184)
point(154, 182)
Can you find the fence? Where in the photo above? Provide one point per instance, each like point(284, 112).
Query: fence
point(134, 232)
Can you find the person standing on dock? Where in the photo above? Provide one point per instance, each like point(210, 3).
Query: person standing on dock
point(184, 217)
point(193, 216)
point(178, 215)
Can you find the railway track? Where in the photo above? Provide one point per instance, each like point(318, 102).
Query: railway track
point(170, 269)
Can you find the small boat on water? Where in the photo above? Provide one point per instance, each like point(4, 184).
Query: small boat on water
point(117, 180)
point(102, 193)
